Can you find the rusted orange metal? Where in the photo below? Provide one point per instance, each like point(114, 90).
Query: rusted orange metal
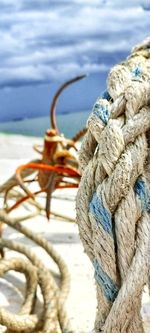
point(58, 165)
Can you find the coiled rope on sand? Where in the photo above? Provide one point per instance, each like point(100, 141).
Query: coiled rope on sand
point(113, 199)
point(54, 318)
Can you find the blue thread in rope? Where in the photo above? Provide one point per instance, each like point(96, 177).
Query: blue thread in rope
point(110, 289)
point(141, 190)
point(136, 73)
point(106, 95)
point(101, 112)
point(100, 213)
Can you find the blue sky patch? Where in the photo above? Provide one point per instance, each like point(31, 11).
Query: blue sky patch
point(45, 42)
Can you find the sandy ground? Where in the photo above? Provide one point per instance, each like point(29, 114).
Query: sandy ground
point(81, 303)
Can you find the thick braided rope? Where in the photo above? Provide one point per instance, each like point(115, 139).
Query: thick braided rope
point(113, 197)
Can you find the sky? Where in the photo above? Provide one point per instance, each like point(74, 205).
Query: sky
point(45, 42)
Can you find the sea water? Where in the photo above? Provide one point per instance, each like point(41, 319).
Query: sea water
point(69, 124)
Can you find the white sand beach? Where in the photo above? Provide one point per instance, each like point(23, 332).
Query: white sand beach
point(81, 303)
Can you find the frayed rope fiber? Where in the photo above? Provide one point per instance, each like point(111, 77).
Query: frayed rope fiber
point(113, 200)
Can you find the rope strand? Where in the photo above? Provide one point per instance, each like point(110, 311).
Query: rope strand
point(113, 197)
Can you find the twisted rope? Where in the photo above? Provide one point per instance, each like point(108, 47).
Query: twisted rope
point(54, 318)
point(113, 199)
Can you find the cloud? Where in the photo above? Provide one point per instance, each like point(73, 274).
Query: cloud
point(51, 40)
point(25, 75)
